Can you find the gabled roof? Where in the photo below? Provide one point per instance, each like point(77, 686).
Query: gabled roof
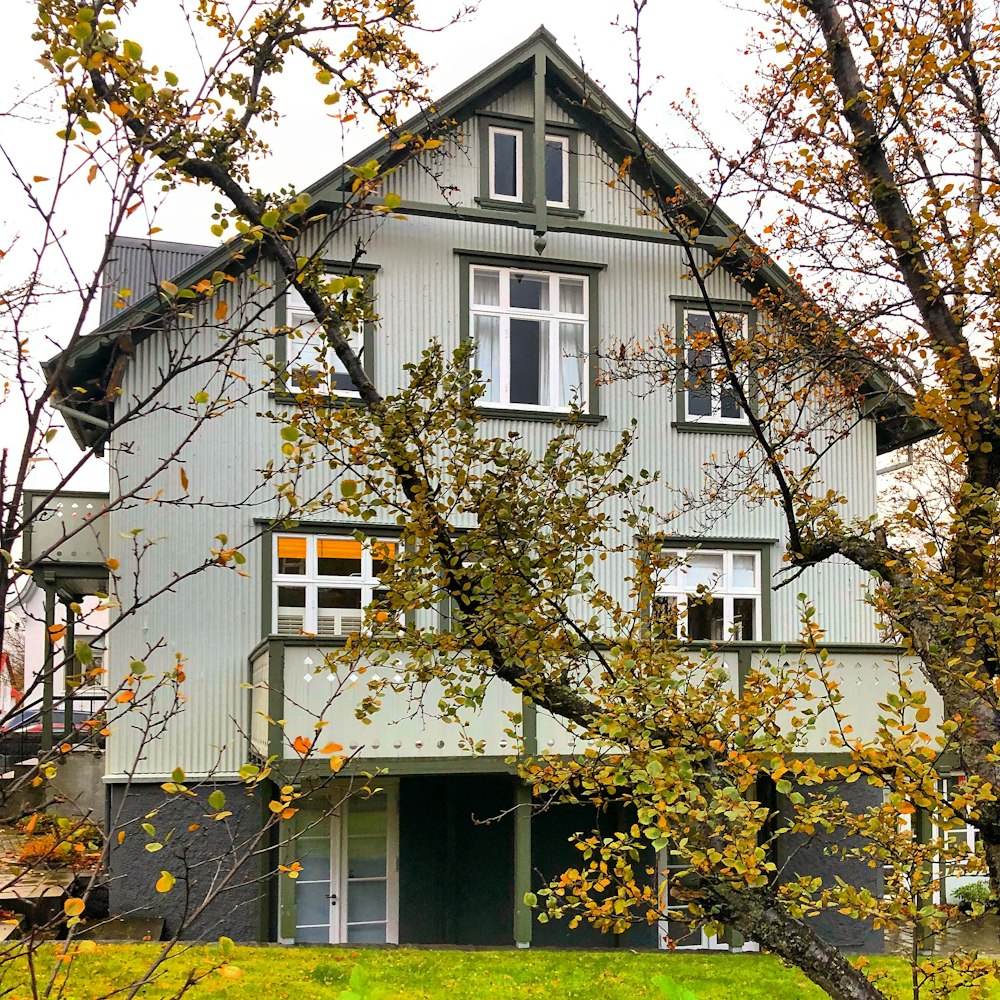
point(94, 359)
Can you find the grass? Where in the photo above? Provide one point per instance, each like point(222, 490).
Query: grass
point(302, 973)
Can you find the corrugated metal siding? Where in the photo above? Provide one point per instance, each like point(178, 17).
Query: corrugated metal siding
point(140, 265)
point(214, 619)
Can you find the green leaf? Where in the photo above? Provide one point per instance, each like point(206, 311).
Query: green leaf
point(226, 946)
point(290, 433)
point(178, 775)
point(217, 800)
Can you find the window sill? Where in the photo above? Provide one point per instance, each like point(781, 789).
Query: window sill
point(297, 397)
point(539, 415)
point(521, 206)
point(712, 427)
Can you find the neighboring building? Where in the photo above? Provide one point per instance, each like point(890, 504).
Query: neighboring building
point(538, 258)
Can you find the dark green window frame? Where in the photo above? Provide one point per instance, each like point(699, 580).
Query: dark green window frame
point(762, 546)
point(527, 129)
point(705, 425)
point(368, 273)
point(470, 258)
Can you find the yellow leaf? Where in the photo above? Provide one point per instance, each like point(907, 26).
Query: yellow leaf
point(165, 882)
point(221, 310)
point(86, 947)
point(230, 971)
point(73, 906)
point(923, 713)
point(336, 763)
point(121, 836)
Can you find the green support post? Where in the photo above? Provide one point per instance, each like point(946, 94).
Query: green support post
point(522, 865)
point(71, 668)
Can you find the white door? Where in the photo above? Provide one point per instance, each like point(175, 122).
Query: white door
point(674, 927)
point(347, 890)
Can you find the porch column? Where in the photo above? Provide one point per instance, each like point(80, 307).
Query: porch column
point(71, 677)
point(48, 668)
point(522, 865)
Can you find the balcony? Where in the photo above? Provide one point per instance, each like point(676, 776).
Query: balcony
point(407, 734)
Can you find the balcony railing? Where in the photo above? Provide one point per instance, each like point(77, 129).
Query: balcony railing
point(286, 685)
point(68, 528)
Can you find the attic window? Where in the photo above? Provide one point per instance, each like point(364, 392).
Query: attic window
point(506, 164)
point(507, 178)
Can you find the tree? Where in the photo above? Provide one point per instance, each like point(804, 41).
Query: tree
point(128, 133)
point(699, 764)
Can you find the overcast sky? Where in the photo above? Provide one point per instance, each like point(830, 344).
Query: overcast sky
point(696, 45)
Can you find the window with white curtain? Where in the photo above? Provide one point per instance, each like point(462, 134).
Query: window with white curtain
point(311, 364)
point(530, 330)
point(709, 595)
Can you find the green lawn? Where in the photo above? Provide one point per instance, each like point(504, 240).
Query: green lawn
point(276, 973)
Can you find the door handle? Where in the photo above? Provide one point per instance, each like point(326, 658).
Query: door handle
point(333, 898)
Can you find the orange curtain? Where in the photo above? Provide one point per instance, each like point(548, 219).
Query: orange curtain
point(339, 548)
point(291, 548)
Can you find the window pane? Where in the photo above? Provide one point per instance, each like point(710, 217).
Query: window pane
point(526, 362)
point(744, 618)
point(312, 935)
point(699, 376)
point(365, 901)
point(311, 903)
point(486, 331)
point(314, 856)
point(366, 857)
point(332, 598)
point(571, 296)
point(729, 403)
point(699, 323)
point(291, 610)
point(382, 554)
point(664, 624)
point(292, 556)
point(485, 288)
point(572, 359)
point(366, 934)
point(338, 557)
point(704, 570)
point(704, 618)
point(554, 171)
point(505, 179)
point(744, 571)
point(529, 291)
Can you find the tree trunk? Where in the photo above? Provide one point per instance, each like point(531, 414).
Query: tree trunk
point(758, 917)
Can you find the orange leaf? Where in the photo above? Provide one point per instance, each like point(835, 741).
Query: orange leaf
point(73, 906)
point(124, 697)
point(117, 108)
point(121, 836)
point(184, 479)
point(331, 748)
point(222, 310)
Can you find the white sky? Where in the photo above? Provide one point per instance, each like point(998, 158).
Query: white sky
point(699, 44)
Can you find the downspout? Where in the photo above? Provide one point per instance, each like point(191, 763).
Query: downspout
point(538, 153)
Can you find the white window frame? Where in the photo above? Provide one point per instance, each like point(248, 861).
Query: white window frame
point(714, 385)
point(676, 587)
point(366, 582)
point(548, 318)
point(309, 339)
point(518, 135)
point(562, 140)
